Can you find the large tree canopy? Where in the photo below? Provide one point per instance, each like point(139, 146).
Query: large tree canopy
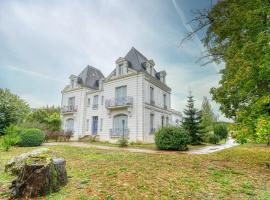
point(12, 109)
point(238, 34)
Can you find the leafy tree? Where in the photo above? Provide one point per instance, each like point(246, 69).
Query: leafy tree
point(221, 130)
point(263, 129)
point(237, 33)
point(12, 109)
point(47, 118)
point(208, 116)
point(191, 121)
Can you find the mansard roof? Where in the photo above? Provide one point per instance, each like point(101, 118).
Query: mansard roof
point(137, 60)
point(90, 77)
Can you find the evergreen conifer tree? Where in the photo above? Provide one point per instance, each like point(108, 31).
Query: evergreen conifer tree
point(191, 121)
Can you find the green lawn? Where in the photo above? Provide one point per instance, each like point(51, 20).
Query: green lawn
point(151, 146)
point(237, 173)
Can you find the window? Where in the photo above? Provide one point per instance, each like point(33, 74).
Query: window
point(101, 124)
point(72, 83)
point(152, 123)
point(120, 126)
point(164, 101)
point(102, 100)
point(120, 92)
point(69, 126)
point(88, 102)
point(167, 121)
point(87, 125)
point(162, 121)
point(71, 101)
point(94, 125)
point(95, 102)
point(152, 102)
point(121, 69)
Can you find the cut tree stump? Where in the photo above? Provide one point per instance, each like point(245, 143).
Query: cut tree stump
point(40, 174)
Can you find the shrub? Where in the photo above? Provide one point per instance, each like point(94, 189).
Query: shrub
point(172, 138)
point(221, 131)
point(11, 137)
point(123, 142)
point(213, 138)
point(31, 137)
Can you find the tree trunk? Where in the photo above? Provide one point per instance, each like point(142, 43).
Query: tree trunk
point(268, 143)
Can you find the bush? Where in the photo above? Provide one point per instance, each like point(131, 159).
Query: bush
point(31, 137)
point(123, 142)
point(172, 138)
point(11, 137)
point(221, 131)
point(213, 139)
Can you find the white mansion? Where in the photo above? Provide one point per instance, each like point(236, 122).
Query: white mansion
point(133, 101)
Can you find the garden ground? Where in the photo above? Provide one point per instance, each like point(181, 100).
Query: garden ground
point(241, 172)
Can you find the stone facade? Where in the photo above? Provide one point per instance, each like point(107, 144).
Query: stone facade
point(133, 101)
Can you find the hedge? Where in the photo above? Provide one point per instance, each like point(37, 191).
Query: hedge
point(31, 137)
point(172, 138)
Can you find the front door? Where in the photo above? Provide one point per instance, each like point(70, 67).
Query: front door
point(94, 125)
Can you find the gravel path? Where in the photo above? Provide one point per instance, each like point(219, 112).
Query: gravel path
point(204, 150)
point(213, 148)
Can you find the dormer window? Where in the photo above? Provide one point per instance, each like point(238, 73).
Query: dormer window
point(121, 69)
point(72, 83)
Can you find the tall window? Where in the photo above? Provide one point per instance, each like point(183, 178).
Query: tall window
point(87, 125)
point(102, 100)
point(152, 95)
point(121, 69)
point(88, 102)
point(95, 102)
point(101, 124)
point(72, 83)
point(167, 121)
point(162, 121)
point(121, 92)
point(152, 123)
point(71, 101)
point(164, 101)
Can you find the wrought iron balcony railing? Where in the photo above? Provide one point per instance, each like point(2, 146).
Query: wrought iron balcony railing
point(70, 108)
point(121, 101)
point(119, 132)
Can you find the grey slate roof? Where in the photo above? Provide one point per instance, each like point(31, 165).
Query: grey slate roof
point(136, 61)
point(90, 77)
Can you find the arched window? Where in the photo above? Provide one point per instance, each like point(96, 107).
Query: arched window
point(120, 124)
point(69, 125)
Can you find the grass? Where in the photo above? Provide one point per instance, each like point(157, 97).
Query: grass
point(151, 146)
point(237, 173)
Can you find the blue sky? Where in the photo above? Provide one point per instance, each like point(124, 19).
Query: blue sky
point(43, 42)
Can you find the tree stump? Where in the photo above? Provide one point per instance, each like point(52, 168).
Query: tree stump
point(39, 175)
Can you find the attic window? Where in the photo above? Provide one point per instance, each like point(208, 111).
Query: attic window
point(72, 83)
point(121, 69)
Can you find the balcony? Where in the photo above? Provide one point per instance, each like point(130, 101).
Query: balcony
point(165, 107)
point(119, 132)
point(152, 102)
point(119, 102)
point(69, 109)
